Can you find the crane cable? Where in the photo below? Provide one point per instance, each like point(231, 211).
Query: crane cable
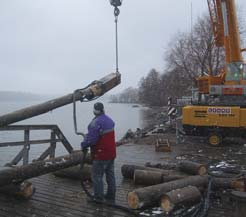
point(87, 192)
point(116, 14)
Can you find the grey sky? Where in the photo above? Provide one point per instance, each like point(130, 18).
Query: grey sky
point(56, 46)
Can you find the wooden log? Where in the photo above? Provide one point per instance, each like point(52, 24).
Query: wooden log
point(193, 168)
point(25, 190)
point(148, 177)
point(172, 177)
point(148, 196)
point(145, 177)
point(239, 184)
point(95, 89)
point(75, 173)
point(88, 158)
point(165, 166)
point(19, 174)
point(184, 196)
point(128, 170)
point(228, 183)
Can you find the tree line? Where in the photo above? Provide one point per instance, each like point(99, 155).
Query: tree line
point(188, 56)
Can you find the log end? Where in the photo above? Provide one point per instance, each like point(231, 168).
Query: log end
point(202, 170)
point(133, 201)
point(166, 204)
point(27, 190)
point(238, 185)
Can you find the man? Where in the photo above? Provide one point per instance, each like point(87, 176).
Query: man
point(101, 140)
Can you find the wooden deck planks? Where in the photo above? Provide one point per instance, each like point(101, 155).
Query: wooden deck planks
point(56, 197)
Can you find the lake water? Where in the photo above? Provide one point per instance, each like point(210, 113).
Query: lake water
point(124, 115)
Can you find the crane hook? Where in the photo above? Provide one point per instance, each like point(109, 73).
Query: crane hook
point(116, 4)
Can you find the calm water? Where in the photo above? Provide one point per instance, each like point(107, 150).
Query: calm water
point(124, 115)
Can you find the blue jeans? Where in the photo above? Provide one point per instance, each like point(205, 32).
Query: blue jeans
point(99, 167)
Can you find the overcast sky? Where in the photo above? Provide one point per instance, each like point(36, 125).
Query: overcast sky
point(56, 46)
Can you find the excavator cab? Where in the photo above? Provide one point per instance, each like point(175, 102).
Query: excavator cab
point(235, 73)
point(244, 74)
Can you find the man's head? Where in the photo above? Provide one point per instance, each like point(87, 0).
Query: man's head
point(98, 108)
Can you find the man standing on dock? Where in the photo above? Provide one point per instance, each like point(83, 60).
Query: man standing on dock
point(101, 140)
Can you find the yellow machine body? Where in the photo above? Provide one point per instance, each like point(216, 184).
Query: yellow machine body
point(214, 116)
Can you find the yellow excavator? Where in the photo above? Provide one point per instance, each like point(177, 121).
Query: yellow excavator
point(220, 110)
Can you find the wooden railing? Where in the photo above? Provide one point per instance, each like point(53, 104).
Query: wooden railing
point(56, 136)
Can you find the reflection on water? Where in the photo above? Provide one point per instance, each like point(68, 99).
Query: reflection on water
point(124, 115)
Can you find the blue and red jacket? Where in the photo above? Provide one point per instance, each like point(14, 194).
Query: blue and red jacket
point(101, 138)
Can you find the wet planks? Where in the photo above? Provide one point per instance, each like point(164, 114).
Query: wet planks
point(56, 197)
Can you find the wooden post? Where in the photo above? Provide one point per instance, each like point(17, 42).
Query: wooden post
point(52, 144)
point(26, 147)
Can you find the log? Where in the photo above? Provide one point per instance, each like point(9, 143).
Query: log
point(149, 196)
point(145, 177)
point(193, 168)
point(128, 170)
point(228, 183)
point(25, 190)
point(38, 168)
point(75, 173)
point(88, 158)
point(96, 88)
point(184, 196)
point(148, 177)
point(165, 166)
point(172, 178)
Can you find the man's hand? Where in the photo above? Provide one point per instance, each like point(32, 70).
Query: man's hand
point(85, 150)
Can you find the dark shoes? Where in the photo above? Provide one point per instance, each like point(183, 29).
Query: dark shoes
point(95, 200)
point(109, 199)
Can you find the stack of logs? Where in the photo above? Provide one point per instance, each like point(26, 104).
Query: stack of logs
point(183, 185)
point(13, 180)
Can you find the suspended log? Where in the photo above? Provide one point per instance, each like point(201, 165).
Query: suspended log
point(193, 168)
point(148, 196)
point(24, 190)
point(184, 196)
point(97, 88)
point(148, 177)
point(75, 173)
point(128, 170)
point(18, 174)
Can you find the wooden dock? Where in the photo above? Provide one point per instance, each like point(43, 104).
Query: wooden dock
point(56, 197)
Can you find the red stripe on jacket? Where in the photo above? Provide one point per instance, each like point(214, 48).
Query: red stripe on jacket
point(105, 148)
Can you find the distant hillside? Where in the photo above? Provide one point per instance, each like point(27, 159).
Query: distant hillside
point(6, 96)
